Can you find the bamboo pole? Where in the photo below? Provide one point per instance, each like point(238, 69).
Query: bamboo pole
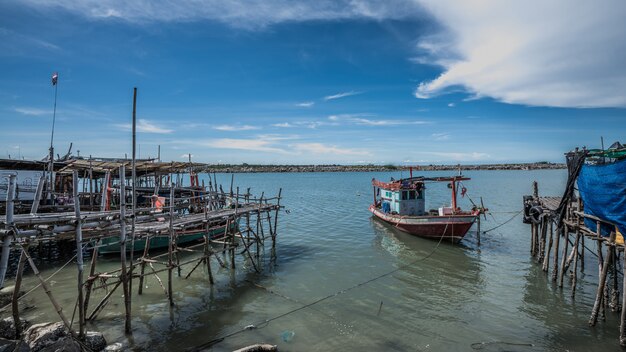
point(38, 193)
point(169, 249)
point(622, 325)
point(546, 260)
point(146, 250)
point(47, 289)
point(104, 301)
point(563, 260)
point(16, 293)
point(232, 251)
point(92, 271)
point(574, 271)
point(6, 245)
point(124, 273)
point(542, 240)
point(601, 284)
point(79, 257)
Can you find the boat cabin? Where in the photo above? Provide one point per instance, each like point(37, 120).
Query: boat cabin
point(403, 201)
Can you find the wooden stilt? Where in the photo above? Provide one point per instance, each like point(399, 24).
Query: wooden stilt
point(8, 237)
point(170, 262)
point(574, 271)
point(79, 257)
point(146, 250)
point(16, 293)
point(542, 238)
point(622, 325)
point(546, 259)
point(124, 273)
point(563, 260)
point(47, 289)
point(555, 266)
point(92, 271)
point(601, 285)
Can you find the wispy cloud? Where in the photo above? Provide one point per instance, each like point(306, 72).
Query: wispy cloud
point(341, 95)
point(440, 136)
point(257, 145)
point(145, 126)
point(284, 125)
point(306, 104)
point(451, 105)
point(529, 54)
point(236, 128)
point(356, 119)
point(32, 111)
point(459, 156)
point(239, 13)
point(319, 148)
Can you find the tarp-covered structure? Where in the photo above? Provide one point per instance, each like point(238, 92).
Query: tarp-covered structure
point(602, 188)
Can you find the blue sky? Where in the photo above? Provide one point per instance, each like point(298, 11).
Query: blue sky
point(298, 82)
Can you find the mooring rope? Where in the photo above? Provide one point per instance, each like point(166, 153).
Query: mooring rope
point(267, 321)
point(48, 278)
point(504, 223)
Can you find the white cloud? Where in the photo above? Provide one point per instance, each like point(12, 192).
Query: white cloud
point(306, 104)
point(440, 136)
point(545, 53)
point(451, 105)
point(459, 156)
point(236, 127)
point(341, 95)
point(145, 126)
point(241, 13)
point(358, 120)
point(319, 148)
point(32, 111)
point(257, 145)
point(284, 125)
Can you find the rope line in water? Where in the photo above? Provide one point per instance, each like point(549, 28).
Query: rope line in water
point(504, 223)
point(267, 321)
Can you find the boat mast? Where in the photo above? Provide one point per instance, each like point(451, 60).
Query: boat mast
point(55, 81)
point(453, 194)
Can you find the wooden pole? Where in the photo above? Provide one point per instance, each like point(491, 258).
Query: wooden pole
point(146, 250)
point(555, 269)
point(79, 257)
point(546, 259)
point(564, 259)
point(6, 244)
point(622, 325)
point(601, 283)
point(38, 193)
point(574, 271)
point(16, 293)
point(478, 230)
point(47, 289)
point(124, 274)
point(170, 263)
point(134, 199)
point(92, 271)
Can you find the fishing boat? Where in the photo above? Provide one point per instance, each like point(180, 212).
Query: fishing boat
point(401, 203)
point(111, 245)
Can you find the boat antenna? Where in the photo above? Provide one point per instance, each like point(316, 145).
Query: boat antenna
point(55, 84)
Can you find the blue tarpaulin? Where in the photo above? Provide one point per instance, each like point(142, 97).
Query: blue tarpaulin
point(603, 190)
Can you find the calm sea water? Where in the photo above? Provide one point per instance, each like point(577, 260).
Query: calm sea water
point(426, 298)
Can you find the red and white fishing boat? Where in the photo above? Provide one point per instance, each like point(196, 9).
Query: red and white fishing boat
point(401, 203)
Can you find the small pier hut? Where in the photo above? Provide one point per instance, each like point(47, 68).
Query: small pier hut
point(105, 205)
point(592, 208)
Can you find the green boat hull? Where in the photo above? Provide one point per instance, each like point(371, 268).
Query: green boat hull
point(112, 245)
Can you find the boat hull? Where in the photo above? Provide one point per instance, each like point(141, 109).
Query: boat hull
point(112, 245)
point(450, 228)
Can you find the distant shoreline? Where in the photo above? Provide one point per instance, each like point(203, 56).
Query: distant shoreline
point(246, 168)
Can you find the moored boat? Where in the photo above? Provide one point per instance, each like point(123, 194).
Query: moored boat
point(111, 245)
point(401, 203)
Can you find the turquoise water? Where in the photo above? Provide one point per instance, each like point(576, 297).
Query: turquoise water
point(426, 297)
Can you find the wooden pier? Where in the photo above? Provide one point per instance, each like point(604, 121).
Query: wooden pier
point(559, 237)
point(107, 213)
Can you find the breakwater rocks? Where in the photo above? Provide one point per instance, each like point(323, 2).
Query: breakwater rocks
point(246, 168)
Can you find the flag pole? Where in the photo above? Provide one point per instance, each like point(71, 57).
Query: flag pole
point(55, 81)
